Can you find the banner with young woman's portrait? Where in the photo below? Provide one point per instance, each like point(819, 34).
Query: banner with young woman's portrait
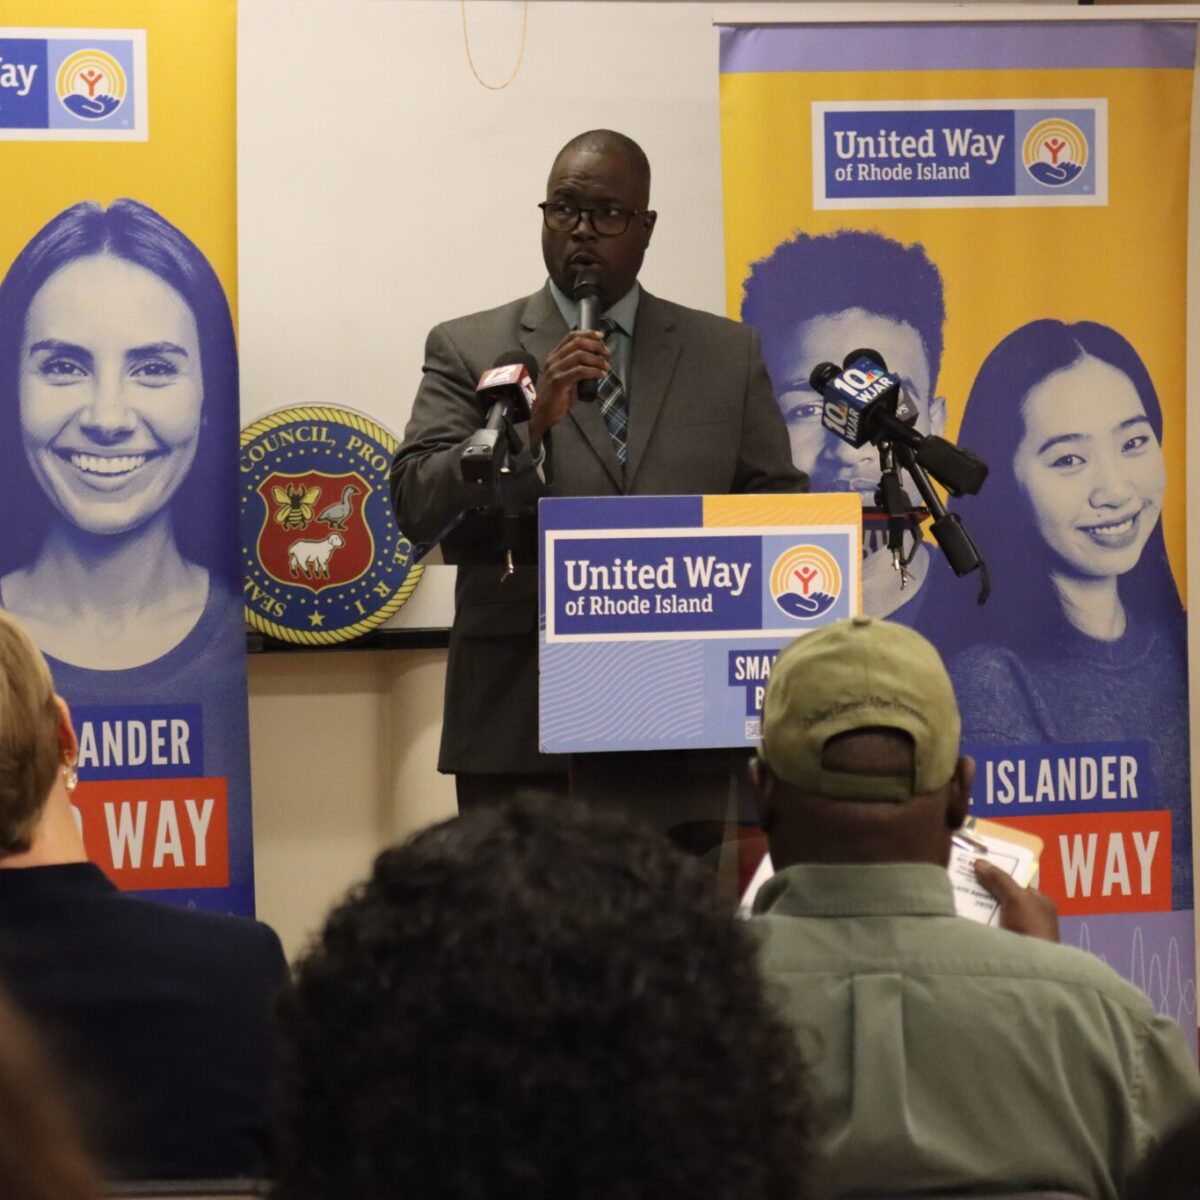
point(119, 405)
point(999, 211)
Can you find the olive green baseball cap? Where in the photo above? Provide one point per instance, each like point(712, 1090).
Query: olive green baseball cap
point(857, 674)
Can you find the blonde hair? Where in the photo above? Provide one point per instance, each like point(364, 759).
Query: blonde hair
point(29, 745)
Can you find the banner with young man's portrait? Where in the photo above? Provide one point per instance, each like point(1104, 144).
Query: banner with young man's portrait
point(999, 210)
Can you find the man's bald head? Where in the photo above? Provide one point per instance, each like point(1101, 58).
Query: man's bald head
point(600, 172)
point(609, 141)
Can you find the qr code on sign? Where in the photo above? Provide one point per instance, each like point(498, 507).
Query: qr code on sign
point(754, 729)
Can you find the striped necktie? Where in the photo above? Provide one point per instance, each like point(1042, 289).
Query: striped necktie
point(613, 407)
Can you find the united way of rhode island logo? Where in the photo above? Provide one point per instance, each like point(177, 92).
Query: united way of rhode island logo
point(90, 84)
point(323, 558)
point(1055, 152)
point(806, 582)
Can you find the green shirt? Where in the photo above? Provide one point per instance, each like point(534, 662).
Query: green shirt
point(946, 1054)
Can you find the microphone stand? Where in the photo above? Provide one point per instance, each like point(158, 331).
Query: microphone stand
point(892, 498)
point(948, 530)
point(510, 526)
point(487, 463)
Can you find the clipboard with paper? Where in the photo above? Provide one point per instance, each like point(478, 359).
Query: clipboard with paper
point(1013, 851)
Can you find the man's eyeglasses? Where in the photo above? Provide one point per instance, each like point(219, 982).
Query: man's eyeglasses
point(561, 217)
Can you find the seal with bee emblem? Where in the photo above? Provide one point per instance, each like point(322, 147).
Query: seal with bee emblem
point(324, 559)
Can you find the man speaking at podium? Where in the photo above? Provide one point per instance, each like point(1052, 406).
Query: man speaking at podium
point(684, 407)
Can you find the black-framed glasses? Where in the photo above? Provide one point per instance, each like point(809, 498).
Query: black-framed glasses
point(561, 217)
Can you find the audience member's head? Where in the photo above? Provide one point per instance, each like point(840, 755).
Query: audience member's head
point(36, 740)
point(40, 1154)
point(537, 1002)
point(859, 759)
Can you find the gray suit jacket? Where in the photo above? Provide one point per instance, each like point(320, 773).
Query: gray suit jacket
point(702, 420)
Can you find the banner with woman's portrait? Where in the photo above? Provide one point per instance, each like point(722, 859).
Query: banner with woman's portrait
point(119, 407)
point(999, 211)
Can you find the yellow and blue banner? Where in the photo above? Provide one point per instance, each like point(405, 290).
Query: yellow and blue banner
point(661, 615)
point(999, 210)
point(119, 546)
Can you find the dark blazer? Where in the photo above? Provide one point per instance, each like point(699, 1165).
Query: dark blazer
point(160, 1014)
point(702, 420)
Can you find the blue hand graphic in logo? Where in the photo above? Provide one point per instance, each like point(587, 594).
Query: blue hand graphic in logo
point(806, 582)
point(1058, 175)
point(797, 605)
point(91, 108)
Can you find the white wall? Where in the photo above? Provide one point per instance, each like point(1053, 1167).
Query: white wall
point(383, 189)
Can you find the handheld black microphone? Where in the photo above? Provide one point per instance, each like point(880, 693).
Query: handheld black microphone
point(508, 387)
point(587, 293)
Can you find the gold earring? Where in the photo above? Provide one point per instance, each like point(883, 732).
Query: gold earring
point(70, 776)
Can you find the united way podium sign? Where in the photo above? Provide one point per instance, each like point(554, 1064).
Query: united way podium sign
point(661, 615)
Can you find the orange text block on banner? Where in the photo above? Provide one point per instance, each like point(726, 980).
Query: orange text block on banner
point(1104, 862)
point(157, 833)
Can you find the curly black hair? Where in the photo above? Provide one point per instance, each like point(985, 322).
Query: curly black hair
point(532, 1002)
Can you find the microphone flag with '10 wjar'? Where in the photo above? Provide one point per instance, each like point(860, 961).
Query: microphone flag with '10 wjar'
point(864, 402)
point(857, 395)
point(586, 293)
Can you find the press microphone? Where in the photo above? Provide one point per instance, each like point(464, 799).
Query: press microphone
point(860, 396)
point(510, 385)
point(864, 402)
point(587, 294)
point(901, 404)
point(508, 388)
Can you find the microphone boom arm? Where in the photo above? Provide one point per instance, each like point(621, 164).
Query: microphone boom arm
point(948, 529)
